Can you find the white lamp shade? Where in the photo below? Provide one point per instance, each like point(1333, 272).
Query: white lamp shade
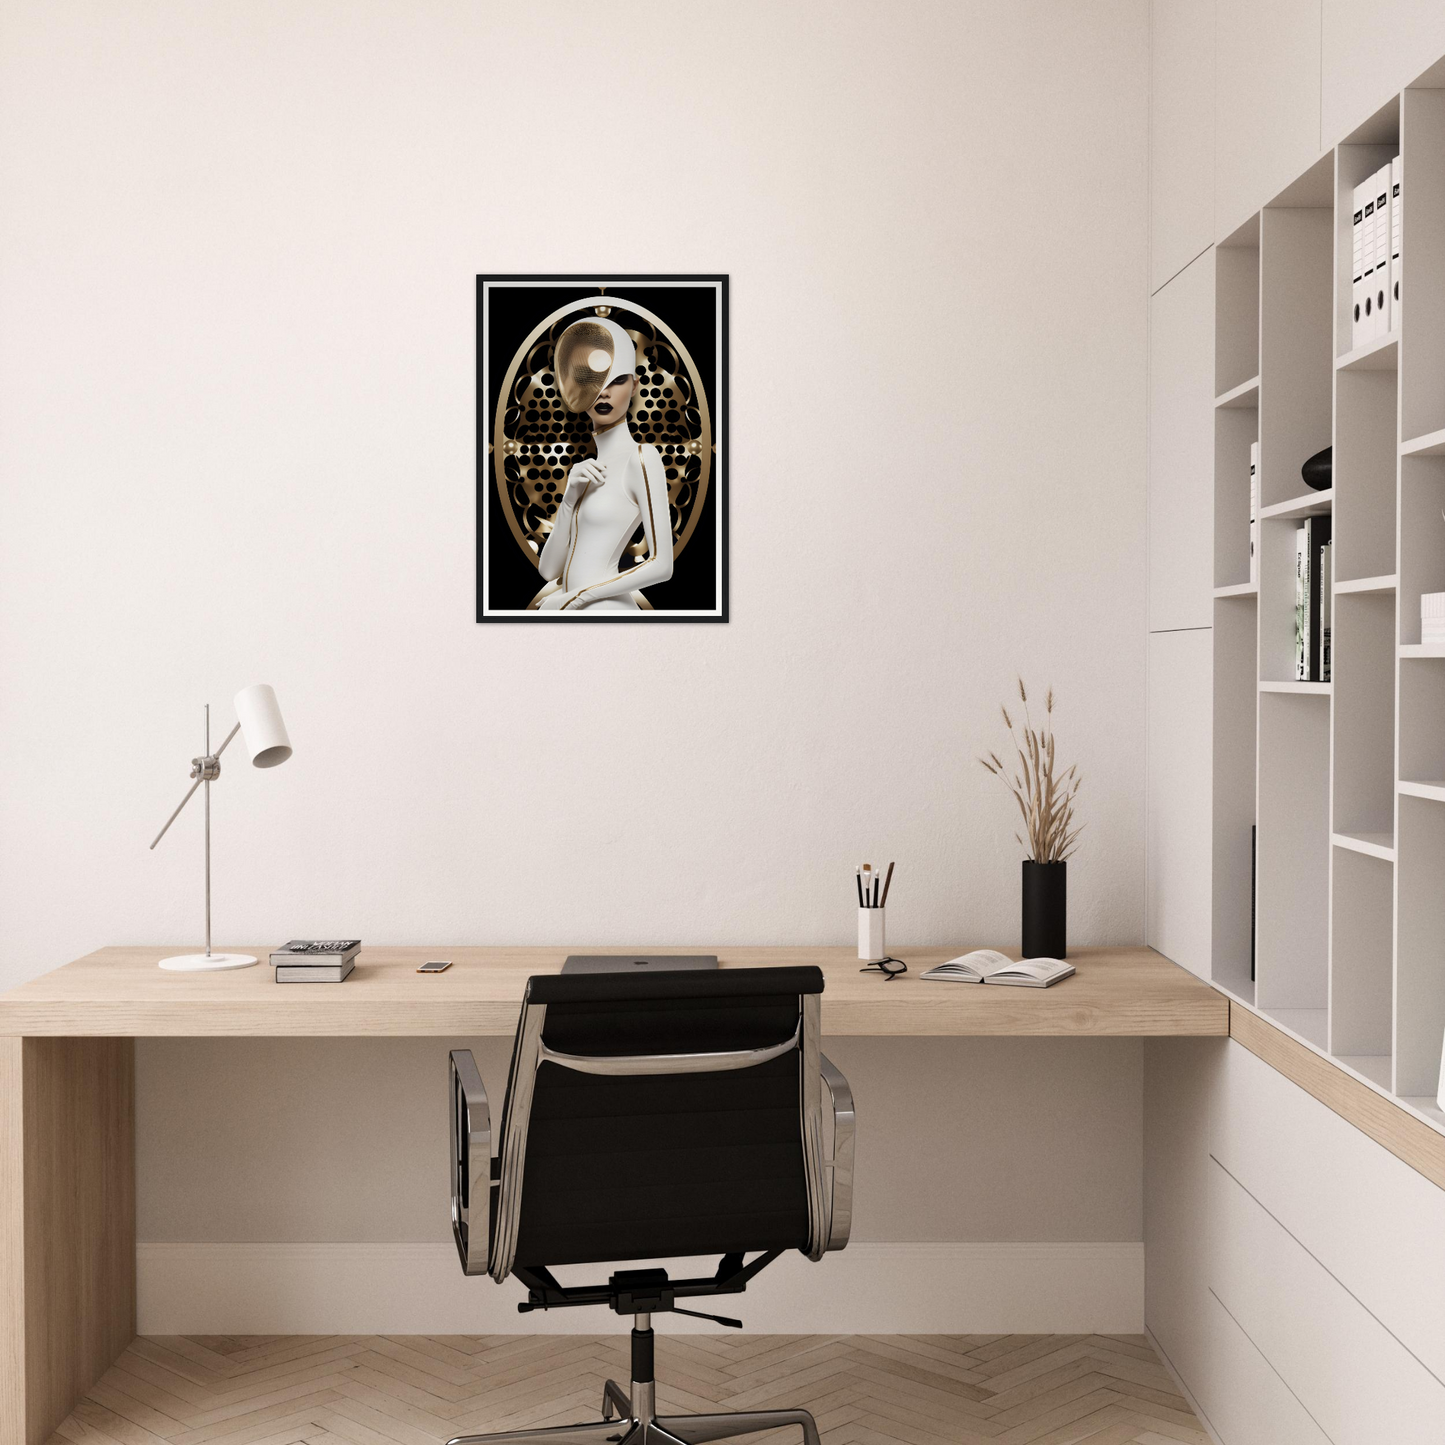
point(262, 730)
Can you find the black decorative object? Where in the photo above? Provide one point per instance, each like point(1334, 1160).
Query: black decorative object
point(1045, 917)
point(1319, 471)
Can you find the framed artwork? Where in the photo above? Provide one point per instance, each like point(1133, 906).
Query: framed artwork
point(602, 449)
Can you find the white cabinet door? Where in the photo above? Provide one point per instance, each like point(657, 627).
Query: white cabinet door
point(1181, 134)
point(1358, 1382)
point(1370, 52)
point(1181, 450)
point(1266, 103)
point(1178, 902)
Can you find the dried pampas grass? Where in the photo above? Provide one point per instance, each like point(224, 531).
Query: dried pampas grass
point(1046, 801)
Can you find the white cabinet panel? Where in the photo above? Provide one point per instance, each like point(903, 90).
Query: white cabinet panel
point(1245, 1401)
point(1370, 52)
point(1266, 102)
point(1181, 450)
point(1181, 134)
point(1180, 1083)
point(1177, 826)
point(1359, 1383)
point(1371, 1220)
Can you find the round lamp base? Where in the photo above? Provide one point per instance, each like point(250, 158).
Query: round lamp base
point(207, 962)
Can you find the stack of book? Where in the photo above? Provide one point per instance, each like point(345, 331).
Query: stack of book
point(315, 960)
point(1375, 272)
point(1432, 618)
point(1312, 601)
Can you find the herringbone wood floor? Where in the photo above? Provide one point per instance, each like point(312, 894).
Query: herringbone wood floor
point(418, 1390)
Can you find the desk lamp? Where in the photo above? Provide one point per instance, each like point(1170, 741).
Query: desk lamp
point(258, 720)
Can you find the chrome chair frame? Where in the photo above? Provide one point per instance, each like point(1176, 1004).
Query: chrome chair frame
point(485, 1250)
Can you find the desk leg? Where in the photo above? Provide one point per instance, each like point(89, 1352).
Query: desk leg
point(67, 1224)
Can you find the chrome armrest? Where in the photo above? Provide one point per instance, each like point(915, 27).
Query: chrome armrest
point(471, 1125)
point(840, 1166)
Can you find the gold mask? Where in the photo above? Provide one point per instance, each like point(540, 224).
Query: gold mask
point(590, 353)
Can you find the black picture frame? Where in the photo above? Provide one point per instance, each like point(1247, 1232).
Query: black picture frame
point(508, 307)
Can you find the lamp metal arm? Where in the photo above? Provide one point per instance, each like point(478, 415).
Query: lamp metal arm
point(204, 770)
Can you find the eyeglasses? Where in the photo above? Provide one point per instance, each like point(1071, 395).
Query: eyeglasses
point(890, 968)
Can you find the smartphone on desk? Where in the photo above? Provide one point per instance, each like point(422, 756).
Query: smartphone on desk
point(435, 965)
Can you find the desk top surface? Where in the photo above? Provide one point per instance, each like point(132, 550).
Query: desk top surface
point(120, 992)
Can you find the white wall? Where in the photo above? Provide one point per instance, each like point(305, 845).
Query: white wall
point(237, 254)
point(236, 360)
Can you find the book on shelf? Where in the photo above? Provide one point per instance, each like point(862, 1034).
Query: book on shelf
point(1357, 267)
point(1301, 606)
point(1254, 513)
point(1432, 617)
point(1396, 227)
point(1381, 293)
point(988, 965)
point(1326, 607)
point(314, 972)
point(1309, 610)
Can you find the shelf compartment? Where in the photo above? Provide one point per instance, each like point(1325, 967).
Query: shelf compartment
point(1420, 935)
point(1234, 432)
point(1377, 1068)
point(1362, 930)
point(1432, 444)
point(1365, 460)
point(1236, 309)
point(1311, 504)
point(1381, 354)
point(1296, 351)
point(1356, 160)
point(1422, 537)
point(1422, 721)
point(1422, 300)
point(1294, 855)
point(1244, 397)
point(1236, 706)
point(1366, 584)
point(1299, 689)
point(1364, 715)
point(1310, 1024)
point(1372, 845)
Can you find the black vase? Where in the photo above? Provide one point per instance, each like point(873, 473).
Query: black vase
point(1046, 909)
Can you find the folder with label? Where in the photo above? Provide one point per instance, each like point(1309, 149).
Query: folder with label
point(1357, 267)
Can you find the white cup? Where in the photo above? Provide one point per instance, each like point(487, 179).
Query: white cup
point(871, 946)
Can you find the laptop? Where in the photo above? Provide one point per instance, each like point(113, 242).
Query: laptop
point(637, 962)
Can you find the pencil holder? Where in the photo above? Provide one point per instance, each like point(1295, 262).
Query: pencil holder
point(871, 946)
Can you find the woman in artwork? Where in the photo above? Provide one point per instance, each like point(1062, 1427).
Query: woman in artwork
point(607, 497)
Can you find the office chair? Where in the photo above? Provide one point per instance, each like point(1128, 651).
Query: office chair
point(651, 1117)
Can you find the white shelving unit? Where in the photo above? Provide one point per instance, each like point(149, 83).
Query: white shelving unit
point(1344, 781)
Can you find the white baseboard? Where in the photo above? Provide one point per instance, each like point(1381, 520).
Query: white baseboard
point(312, 1289)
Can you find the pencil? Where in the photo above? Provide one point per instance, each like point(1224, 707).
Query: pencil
point(887, 883)
point(859, 881)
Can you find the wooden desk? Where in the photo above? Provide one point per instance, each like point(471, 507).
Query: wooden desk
point(119, 992)
point(67, 1091)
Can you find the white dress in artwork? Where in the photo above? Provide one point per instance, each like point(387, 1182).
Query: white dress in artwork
point(607, 497)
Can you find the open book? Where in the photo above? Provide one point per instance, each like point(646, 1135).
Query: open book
point(987, 965)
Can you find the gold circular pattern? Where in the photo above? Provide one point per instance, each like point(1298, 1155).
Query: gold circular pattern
point(537, 440)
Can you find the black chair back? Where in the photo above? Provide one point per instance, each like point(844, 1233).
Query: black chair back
point(699, 1143)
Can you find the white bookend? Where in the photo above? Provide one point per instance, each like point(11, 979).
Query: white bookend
point(1396, 226)
point(1357, 267)
point(1327, 573)
point(1254, 513)
point(1301, 605)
